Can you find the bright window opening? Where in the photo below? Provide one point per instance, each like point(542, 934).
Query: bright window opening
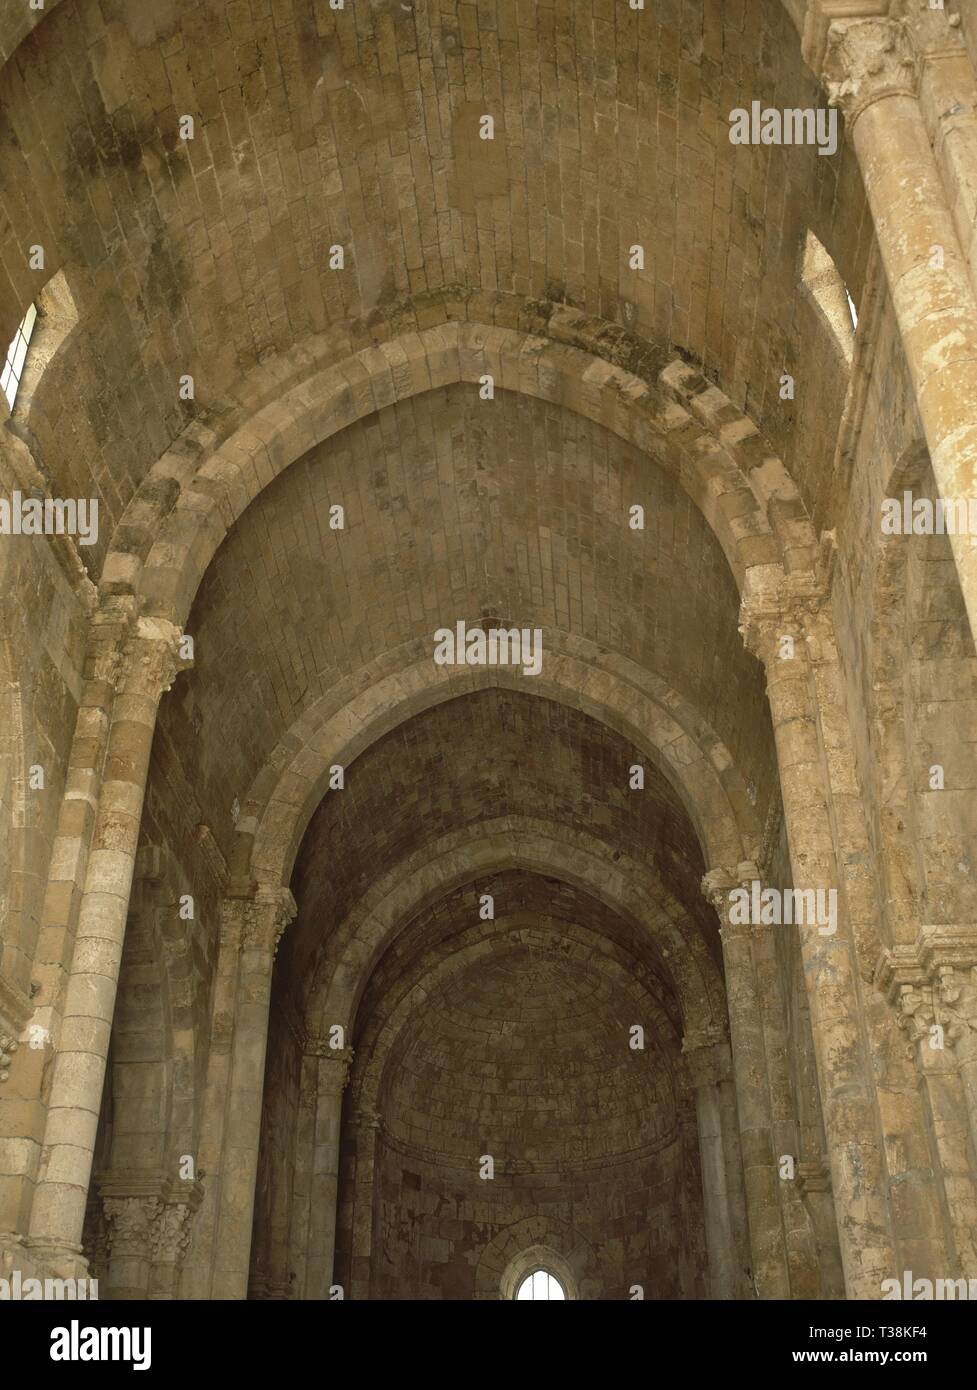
point(851, 307)
point(16, 357)
point(541, 1287)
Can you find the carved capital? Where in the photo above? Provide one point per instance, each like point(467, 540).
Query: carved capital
point(333, 1064)
point(266, 919)
point(793, 609)
point(367, 1120)
point(8, 1046)
point(129, 1223)
point(256, 923)
point(917, 1011)
point(717, 887)
point(866, 60)
point(171, 1232)
point(151, 658)
point(957, 991)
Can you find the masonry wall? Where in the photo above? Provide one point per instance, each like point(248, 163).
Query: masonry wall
point(433, 1224)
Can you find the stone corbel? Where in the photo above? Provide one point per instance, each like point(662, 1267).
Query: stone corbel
point(933, 982)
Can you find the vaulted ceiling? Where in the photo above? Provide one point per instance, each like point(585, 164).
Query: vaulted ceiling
point(316, 127)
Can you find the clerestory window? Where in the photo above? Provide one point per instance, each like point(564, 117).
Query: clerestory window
point(16, 356)
point(823, 282)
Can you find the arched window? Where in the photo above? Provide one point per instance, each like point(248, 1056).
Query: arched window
point(539, 1286)
point(13, 368)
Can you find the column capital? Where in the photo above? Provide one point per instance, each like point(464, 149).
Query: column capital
point(791, 605)
point(171, 1231)
point(271, 910)
point(257, 920)
point(8, 1046)
point(131, 1220)
point(942, 1010)
point(717, 884)
point(708, 1058)
point(866, 60)
point(151, 658)
point(109, 629)
point(334, 1064)
point(364, 1117)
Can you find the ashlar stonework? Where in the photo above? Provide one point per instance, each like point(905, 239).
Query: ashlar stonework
point(339, 960)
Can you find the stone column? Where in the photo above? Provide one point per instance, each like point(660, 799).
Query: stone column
point(934, 985)
point(367, 1126)
point(300, 1216)
point(948, 101)
point(845, 1073)
point(332, 1074)
point(871, 72)
point(253, 927)
point(108, 632)
point(150, 663)
point(760, 1174)
point(727, 1241)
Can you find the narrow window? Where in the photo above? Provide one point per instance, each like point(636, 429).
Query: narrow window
point(831, 297)
point(16, 356)
point(541, 1286)
point(851, 308)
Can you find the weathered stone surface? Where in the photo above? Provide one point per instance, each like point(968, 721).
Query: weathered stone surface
point(420, 976)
